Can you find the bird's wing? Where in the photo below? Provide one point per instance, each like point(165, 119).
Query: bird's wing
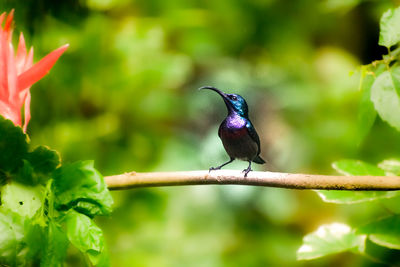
point(220, 127)
point(253, 134)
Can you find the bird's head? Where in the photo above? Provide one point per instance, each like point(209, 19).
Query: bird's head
point(234, 103)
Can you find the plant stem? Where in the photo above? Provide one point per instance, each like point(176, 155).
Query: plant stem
point(255, 178)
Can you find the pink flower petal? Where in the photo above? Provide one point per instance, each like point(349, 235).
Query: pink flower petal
point(4, 47)
point(21, 54)
point(40, 69)
point(27, 110)
point(7, 25)
point(8, 112)
point(17, 73)
point(29, 60)
point(2, 17)
point(12, 78)
point(9, 20)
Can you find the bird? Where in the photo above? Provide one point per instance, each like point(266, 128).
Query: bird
point(237, 133)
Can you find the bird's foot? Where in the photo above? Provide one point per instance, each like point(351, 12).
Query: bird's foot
point(246, 171)
point(220, 166)
point(214, 168)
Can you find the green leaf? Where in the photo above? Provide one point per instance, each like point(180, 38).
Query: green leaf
point(329, 239)
point(25, 174)
point(366, 110)
point(85, 235)
point(11, 237)
point(355, 167)
point(384, 232)
point(80, 186)
point(22, 199)
point(390, 166)
point(104, 259)
point(391, 204)
point(385, 96)
point(44, 160)
point(35, 241)
point(351, 197)
point(390, 28)
point(13, 145)
point(55, 246)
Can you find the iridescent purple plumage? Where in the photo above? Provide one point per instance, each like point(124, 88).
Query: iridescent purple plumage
point(237, 133)
point(235, 121)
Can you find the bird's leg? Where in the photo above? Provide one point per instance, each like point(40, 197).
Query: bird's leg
point(219, 167)
point(246, 171)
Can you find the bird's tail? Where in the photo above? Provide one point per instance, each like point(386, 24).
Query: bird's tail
point(258, 160)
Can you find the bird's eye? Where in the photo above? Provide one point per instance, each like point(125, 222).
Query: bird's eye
point(233, 97)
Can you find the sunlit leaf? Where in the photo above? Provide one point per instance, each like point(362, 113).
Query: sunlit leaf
point(85, 235)
point(11, 237)
point(384, 232)
point(385, 96)
point(390, 28)
point(351, 197)
point(329, 239)
point(22, 199)
point(390, 166)
point(355, 167)
point(80, 186)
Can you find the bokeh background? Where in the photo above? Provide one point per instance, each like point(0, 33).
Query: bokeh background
point(124, 94)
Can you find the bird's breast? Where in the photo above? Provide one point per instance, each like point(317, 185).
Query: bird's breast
point(235, 122)
point(233, 133)
point(233, 127)
point(236, 139)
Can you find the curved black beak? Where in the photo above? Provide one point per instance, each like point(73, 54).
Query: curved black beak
point(214, 89)
point(222, 94)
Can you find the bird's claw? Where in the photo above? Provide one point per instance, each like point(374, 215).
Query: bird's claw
point(246, 171)
point(213, 169)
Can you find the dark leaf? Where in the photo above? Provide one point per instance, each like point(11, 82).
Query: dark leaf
point(13, 146)
point(44, 160)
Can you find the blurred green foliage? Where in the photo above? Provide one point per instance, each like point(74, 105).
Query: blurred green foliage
point(125, 95)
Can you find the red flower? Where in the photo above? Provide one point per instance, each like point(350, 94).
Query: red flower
point(18, 73)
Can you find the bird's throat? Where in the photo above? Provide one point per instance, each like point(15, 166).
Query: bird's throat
point(235, 122)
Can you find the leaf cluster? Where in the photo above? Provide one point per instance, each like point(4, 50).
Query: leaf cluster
point(339, 237)
point(380, 85)
point(46, 205)
point(380, 80)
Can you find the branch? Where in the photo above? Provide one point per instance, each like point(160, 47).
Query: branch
point(256, 178)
